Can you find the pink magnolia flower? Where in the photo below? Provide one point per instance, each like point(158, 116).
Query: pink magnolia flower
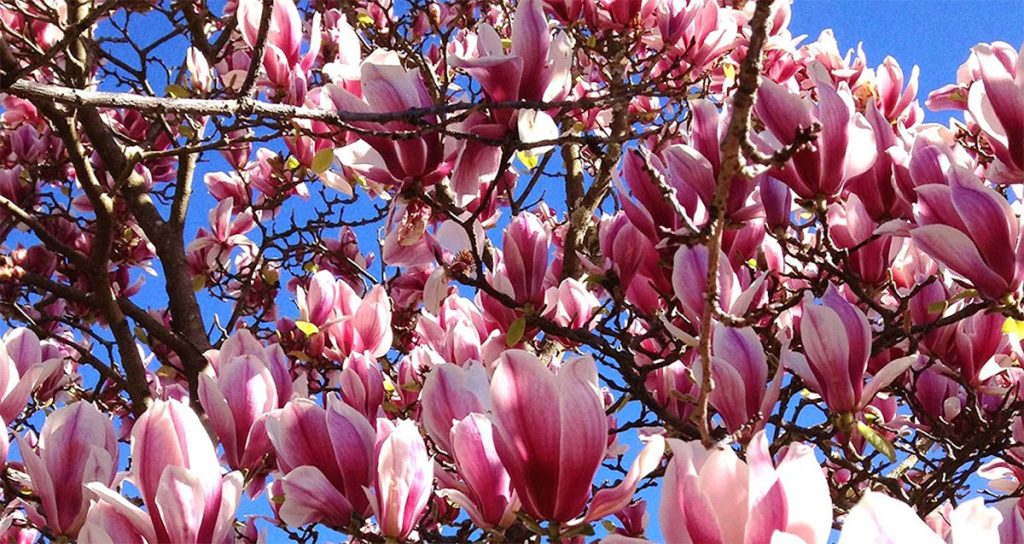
point(643, 201)
point(284, 67)
point(570, 304)
point(844, 148)
point(633, 255)
point(176, 470)
point(457, 332)
point(450, 393)
point(878, 187)
point(836, 339)
point(243, 344)
point(612, 500)
point(823, 57)
point(689, 282)
point(483, 487)
point(354, 324)
point(712, 496)
point(525, 256)
point(22, 370)
point(618, 14)
point(699, 31)
point(880, 518)
point(77, 446)
point(895, 101)
point(996, 104)
point(236, 400)
point(972, 344)
point(213, 248)
point(327, 458)
point(972, 230)
point(742, 392)
point(852, 229)
point(536, 68)
point(403, 482)
point(388, 87)
point(566, 11)
point(362, 384)
point(14, 529)
point(199, 71)
point(551, 431)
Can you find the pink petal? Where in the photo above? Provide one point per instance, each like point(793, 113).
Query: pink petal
point(611, 500)
point(882, 519)
point(310, 498)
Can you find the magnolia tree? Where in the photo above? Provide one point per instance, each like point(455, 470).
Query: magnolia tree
point(553, 270)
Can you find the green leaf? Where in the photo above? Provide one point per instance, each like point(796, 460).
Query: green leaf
point(292, 163)
point(177, 91)
point(1013, 327)
point(876, 440)
point(515, 332)
point(323, 160)
point(528, 159)
point(307, 328)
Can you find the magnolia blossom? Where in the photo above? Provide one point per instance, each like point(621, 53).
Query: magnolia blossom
point(989, 257)
point(712, 496)
point(844, 149)
point(551, 432)
point(332, 308)
point(326, 458)
point(77, 446)
point(837, 342)
point(403, 481)
point(485, 492)
point(177, 473)
point(880, 518)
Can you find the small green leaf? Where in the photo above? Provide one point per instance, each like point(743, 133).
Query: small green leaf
point(1013, 327)
point(292, 163)
point(515, 332)
point(323, 160)
point(307, 328)
point(301, 356)
point(177, 91)
point(270, 275)
point(528, 159)
point(876, 440)
point(937, 307)
point(965, 294)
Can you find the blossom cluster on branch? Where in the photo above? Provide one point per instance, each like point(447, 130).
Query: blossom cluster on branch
point(489, 271)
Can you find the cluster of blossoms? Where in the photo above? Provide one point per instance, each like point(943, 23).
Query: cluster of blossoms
point(502, 271)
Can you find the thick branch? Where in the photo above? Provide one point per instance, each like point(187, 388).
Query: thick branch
point(732, 166)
